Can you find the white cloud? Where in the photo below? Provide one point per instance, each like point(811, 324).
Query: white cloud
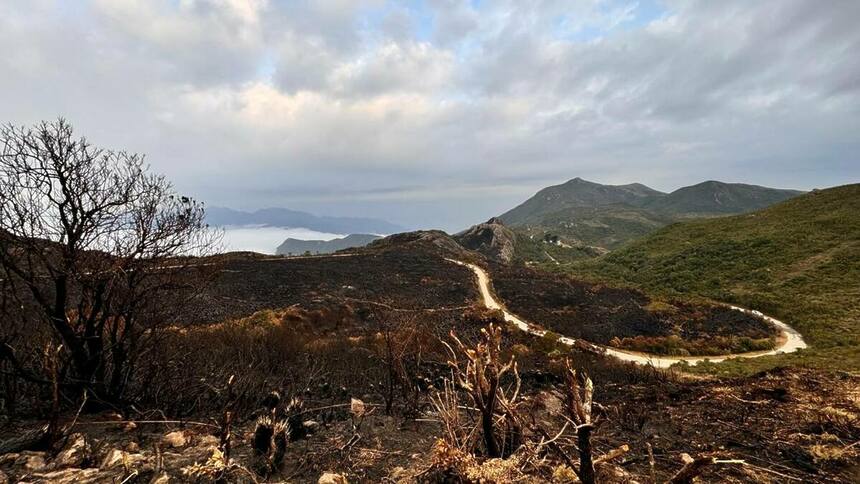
point(307, 104)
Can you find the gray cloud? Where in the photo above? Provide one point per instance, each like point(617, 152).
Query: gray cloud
point(440, 113)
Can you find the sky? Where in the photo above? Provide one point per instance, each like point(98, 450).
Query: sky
point(442, 113)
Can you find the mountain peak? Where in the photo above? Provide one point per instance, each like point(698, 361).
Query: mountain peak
point(576, 193)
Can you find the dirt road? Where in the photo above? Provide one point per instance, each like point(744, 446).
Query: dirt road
point(789, 341)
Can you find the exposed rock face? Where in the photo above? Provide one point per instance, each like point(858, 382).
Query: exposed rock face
point(491, 239)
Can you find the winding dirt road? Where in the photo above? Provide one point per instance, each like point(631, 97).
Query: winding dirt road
point(789, 341)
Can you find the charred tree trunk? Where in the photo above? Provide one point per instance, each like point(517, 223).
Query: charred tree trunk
point(586, 464)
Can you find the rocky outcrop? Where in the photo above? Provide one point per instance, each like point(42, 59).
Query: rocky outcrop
point(491, 238)
point(432, 241)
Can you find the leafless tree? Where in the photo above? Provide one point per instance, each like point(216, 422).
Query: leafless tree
point(482, 378)
point(96, 246)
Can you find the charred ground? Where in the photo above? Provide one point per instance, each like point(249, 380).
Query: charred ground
point(373, 324)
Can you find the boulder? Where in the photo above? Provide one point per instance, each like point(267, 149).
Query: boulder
point(332, 478)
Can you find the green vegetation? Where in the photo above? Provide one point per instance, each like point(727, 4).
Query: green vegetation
point(798, 261)
point(535, 249)
point(606, 226)
point(675, 345)
point(583, 213)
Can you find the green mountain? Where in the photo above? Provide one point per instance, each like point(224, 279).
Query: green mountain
point(717, 198)
point(798, 261)
point(574, 195)
point(587, 214)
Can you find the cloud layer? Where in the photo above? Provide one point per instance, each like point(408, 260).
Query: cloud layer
point(440, 112)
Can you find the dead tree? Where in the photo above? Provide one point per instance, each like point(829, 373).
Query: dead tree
point(481, 378)
point(578, 403)
point(97, 246)
point(396, 346)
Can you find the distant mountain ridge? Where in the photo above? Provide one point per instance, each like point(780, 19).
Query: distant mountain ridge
point(282, 217)
point(592, 214)
point(717, 198)
point(298, 247)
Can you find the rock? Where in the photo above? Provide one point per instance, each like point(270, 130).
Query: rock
point(31, 461)
point(129, 427)
point(175, 439)
point(120, 458)
point(3, 478)
point(71, 476)
point(332, 478)
point(490, 238)
point(311, 426)
point(74, 454)
point(132, 447)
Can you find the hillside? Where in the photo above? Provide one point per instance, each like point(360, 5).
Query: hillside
point(798, 260)
point(583, 213)
point(605, 227)
point(717, 198)
point(297, 247)
point(576, 194)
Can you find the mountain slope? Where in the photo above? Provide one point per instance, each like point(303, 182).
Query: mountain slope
point(574, 194)
point(584, 213)
point(798, 260)
point(282, 217)
point(718, 198)
point(298, 246)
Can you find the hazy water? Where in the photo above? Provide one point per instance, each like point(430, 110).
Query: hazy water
point(266, 239)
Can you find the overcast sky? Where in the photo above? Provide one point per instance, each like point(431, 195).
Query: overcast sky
point(440, 113)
